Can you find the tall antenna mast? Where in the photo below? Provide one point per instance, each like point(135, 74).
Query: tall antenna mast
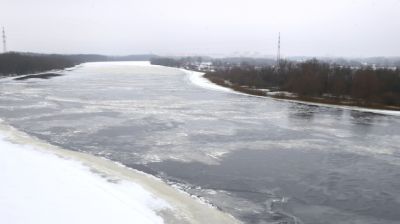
point(278, 58)
point(4, 41)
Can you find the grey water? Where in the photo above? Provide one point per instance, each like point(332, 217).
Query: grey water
point(259, 159)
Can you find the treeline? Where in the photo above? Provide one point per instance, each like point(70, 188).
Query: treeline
point(165, 61)
point(243, 61)
point(181, 62)
point(377, 62)
point(17, 63)
point(318, 79)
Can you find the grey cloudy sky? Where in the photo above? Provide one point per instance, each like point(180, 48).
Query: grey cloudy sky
point(215, 27)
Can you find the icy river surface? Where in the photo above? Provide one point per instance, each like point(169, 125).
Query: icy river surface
point(259, 159)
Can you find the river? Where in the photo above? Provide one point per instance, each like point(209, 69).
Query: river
point(261, 160)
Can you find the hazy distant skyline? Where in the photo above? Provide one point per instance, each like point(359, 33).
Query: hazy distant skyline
point(348, 28)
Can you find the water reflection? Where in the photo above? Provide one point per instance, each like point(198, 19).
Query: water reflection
point(302, 112)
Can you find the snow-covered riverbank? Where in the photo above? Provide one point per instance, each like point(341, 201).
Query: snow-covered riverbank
point(41, 183)
point(198, 79)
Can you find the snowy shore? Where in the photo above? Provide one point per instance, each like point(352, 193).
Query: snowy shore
point(197, 79)
point(41, 183)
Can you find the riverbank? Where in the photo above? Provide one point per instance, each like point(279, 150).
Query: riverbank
point(199, 79)
point(42, 183)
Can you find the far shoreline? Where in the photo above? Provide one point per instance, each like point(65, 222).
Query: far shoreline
point(321, 100)
point(260, 94)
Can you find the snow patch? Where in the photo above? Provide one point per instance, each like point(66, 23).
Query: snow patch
point(40, 187)
point(198, 79)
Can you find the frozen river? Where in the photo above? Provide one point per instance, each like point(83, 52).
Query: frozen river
point(262, 160)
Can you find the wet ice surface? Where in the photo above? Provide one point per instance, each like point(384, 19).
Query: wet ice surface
point(264, 161)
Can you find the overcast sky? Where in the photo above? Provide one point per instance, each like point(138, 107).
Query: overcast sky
point(209, 27)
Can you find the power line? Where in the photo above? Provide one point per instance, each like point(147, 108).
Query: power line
point(4, 41)
point(278, 57)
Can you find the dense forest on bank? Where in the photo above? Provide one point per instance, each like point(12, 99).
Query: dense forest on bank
point(379, 62)
point(179, 62)
point(316, 80)
point(350, 82)
point(17, 63)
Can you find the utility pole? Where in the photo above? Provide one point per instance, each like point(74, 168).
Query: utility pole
point(4, 41)
point(278, 57)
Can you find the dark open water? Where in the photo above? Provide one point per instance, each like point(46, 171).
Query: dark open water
point(262, 160)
